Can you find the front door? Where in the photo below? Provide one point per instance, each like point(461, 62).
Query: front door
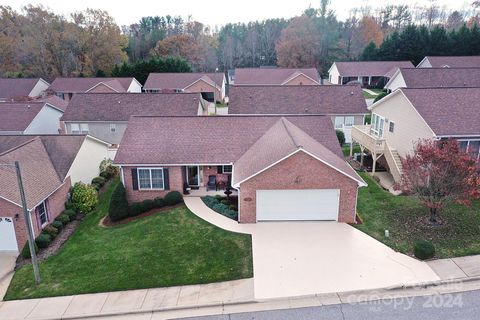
point(193, 176)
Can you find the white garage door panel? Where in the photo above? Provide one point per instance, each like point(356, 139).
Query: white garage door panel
point(8, 240)
point(307, 204)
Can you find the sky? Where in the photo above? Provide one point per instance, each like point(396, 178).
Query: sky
point(214, 12)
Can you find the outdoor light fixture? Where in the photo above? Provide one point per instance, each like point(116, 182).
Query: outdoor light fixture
point(16, 217)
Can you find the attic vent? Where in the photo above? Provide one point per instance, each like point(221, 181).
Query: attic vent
point(28, 106)
point(306, 109)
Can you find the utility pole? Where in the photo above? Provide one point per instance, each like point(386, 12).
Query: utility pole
point(28, 222)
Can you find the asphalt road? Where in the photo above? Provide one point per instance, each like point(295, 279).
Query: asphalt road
point(457, 306)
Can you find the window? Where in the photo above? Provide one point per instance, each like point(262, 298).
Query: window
point(60, 95)
point(391, 127)
point(377, 125)
point(339, 122)
point(472, 146)
point(42, 213)
point(75, 128)
point(349, 121)
point(113, 127)
point(84, 128)
point(227, 169)
point(150, 179)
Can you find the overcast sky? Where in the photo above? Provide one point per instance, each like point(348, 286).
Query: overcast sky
point(214, 12)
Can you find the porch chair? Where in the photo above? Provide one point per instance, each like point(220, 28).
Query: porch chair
point(212, 183)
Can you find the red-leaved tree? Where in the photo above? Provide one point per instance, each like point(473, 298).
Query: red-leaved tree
point(439, 172)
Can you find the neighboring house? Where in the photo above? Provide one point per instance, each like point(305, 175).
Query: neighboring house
point(65, 88)
point(13, 89)
point(283, 168)
point(450, 62)
point(407, 115)
point(210, 85)
point(29, 118)
point(366, 73)
point(55, 101)
point(105, 115)
point(276, 76)
point(434, 78)
point(50, 165)
point(345, 105)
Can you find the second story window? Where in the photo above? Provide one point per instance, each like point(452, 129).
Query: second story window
point(113, 127)
point(391, 127)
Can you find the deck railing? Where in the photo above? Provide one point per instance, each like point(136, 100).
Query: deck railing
point(364, 136)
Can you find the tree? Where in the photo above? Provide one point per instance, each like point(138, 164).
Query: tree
point(118, 208)
point(369, 53)
point(439, 173)
point(370, 31)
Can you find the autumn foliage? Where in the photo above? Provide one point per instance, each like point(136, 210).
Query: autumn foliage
point(438, 173)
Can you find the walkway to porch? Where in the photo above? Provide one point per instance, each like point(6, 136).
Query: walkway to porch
point(202, 191)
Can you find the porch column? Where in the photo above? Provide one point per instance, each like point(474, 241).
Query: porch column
point(362, 150)
point(351, 148)
point(369, 80)
point(374, 163)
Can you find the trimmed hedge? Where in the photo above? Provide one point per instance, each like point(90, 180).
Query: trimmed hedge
point(173, 198)
point(43, 240)
point(222, 206)
point(50, 230)
point(118, 208)
point(84, 197)
point(57, 225)
point(26, 250)
point(63, 218)
point(340, 137)
point(99, 181)
point(424, 250)
point(71, 214)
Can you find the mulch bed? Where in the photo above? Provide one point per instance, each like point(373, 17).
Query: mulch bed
point(55, 245)
point(106, 222)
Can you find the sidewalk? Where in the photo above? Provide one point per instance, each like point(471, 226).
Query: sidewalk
point(460, 268)
point(126, 302)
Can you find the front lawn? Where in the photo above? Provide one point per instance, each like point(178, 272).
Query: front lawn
point(165, 249)
point(367, 95)
point(406, 220)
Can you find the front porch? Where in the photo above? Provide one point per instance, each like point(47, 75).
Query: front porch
point(203, 180)
point(202, 192)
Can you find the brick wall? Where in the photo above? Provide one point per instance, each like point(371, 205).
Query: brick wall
point(56, 204)
point(213, 170)
point(300, 80)
point(299, 171)
point(175, 178)
point(202, 86)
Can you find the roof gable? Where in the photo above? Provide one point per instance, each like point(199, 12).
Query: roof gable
point(171, 81)
point(272, 76)
point(17, 116)
point(81, 85)
point(453, 61)
point(441, 77)
point(11, 88)
point(370, 68)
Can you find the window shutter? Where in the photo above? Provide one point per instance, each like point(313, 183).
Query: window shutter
point(219, 169)
point(166, 180)
point(134, 179)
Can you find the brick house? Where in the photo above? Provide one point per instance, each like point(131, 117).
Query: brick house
point(281, 168)
point(210, 85)
point(49, 164)
point(275, 76)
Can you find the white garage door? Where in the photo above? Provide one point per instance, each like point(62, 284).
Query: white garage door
point(8, 240)
point(307, 204)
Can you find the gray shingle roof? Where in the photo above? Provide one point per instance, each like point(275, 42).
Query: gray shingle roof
point(370, 68)
point(454, 61)
point(120, 106)
point(441, 77)
point(271, 76)
point(79, 85)
point(17, 116)
point(171, 81)
point(16, 87)
point(324, 100)
point(448, 111)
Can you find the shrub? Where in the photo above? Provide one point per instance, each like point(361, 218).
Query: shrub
point(69, 206)
point(148, 205)
point(50, 230)
point(118, 208)
point(340, 137)
point(26, 250)
point(158, 202)
point(233, 207)
point(43, 240)
point(99, 181)
point(107, 169)
point(57, 225)
point(172, 198)
point(84, 197)
point(218, 197)
point(210, 201)
point(135, 209)
point(225, 201)
point(380, 96)
point(71, 214)
point(424, 250)
point(63, 218)
point(225, 210)
point(96, 186)
point(105, 174)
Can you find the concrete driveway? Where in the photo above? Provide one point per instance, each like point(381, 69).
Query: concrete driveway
point(303, 258)
point(7, 263)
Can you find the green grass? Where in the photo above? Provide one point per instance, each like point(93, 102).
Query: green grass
point(346, 149)
point(367, 95)
point(406, 219)
point(165, 249)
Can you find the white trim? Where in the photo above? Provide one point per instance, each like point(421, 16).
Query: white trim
point(12, 202)
point(360, 182)
point(97, 140)
point(150, 174)
point(295, 76)
point(391, 79)
point(458, 136)
point(198, 174)
point(172, 164)
point(101, 82)
point(423, 60)
point(96, 121)
point(122, 177)
point(333, 64)
point(200, 79)
point(49, 195)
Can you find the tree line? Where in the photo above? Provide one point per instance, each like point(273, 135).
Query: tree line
point(38, 42)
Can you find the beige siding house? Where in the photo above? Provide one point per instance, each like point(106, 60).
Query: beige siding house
point(408, 115)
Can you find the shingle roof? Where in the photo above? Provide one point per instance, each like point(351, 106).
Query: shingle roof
point(54, 101)
point(61, 149)
point(281, 140)
point(17, 87)
point(17, 116)
point(441, 77)
point(325, 100)
point(38, 174)
point(454, 61)
point(79, 85)
point(207, 139)
point(159, 81)
point(370, 68)
point(120, 106)
point(271, 76)
point(448, 111)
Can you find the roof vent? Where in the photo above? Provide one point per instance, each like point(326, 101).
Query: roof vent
point(351, 93)
point(119, 102)
point(306, 109)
